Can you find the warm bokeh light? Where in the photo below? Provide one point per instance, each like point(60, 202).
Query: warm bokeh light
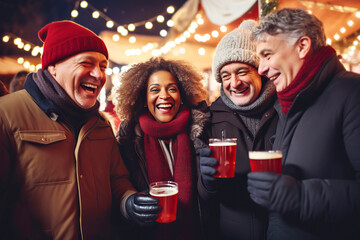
point(20, 60)
point(20, 45)
point(201, 51)
point(6, 38)
point(170, 23)
point(26, 64)
point(83, 4)
point(116, 37)
point(148, 25)
point(116, 70)
point(200, 21)
point(109, 24)
point(74, 13)
point(182, 50)
point(35, 51)
point(132, 39)
point(215, 34)
point(223, 28)
point(108, 71)
point(170, 10)
point(163, 33)
point(131, 27)
point(95, 14)
point(17, 41)
point(27, 47)
point(160, 18)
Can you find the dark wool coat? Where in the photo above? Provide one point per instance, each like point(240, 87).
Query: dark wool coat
point(320, 140)
point(230, 213)
point(131, 144)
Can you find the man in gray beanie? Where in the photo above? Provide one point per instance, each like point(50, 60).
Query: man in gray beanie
point(244, 111)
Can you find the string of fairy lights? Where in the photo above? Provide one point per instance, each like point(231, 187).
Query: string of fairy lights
point(157, 50)
point(27, 46)
point(126, 30)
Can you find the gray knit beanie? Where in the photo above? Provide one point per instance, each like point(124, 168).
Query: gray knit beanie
point(236, 46)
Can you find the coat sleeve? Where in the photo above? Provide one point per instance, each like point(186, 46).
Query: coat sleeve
point(337, 200)
point(5, 173)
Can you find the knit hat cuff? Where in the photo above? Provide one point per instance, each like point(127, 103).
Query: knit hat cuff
point(237, 55)
point(72, 47)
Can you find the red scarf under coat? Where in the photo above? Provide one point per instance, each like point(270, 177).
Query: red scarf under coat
point(157, 165)
point(306, 73)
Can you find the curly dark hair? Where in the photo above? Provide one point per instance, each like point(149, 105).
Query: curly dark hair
point(130, 98)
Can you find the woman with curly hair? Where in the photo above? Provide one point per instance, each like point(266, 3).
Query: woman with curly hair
point(162, 108)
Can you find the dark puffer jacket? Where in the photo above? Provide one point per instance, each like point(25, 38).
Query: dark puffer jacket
point(230, 213)
point(320, 140)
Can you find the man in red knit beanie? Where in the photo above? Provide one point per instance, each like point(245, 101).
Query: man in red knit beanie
point(317, 196)
point(61, 173)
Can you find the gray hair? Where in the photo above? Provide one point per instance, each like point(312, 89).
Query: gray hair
point(292, 24)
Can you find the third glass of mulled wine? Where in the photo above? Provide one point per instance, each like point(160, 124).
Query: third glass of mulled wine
point(265, 161)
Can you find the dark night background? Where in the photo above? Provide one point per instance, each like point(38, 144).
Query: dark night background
point(24, 18)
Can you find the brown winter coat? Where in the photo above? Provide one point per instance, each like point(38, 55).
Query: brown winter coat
point(60, 187)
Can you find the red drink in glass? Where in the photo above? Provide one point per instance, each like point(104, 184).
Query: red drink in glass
point(224, 150)
point(265, 161)
point(166, 192)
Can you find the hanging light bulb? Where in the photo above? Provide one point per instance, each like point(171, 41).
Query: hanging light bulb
point(131, 27)
point(27, 47)
point(116, 37)
point(74, 13)
point(160, 18)
point(170, 10)
point(6, 38)
point(109, 24)
point(83, 4)
point(148, 25)
point(95, 14)
point(17, 41)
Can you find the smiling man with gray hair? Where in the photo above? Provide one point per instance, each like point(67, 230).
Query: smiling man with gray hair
point(317, 196)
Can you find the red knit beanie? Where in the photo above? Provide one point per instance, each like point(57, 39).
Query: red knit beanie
point(64, 39)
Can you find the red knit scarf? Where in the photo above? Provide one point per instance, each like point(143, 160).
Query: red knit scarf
point(306, 73)
point(157, 165)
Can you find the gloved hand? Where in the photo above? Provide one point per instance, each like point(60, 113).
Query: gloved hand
point(279, 193)
point(207, 169)
point(142, 208)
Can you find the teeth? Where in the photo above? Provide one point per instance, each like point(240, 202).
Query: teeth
point(273, 78)
point(241, 91)
point(164, 105)
point(89, 85)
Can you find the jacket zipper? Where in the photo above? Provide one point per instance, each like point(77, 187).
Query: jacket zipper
point(78, 142)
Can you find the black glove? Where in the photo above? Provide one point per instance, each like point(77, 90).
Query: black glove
point(207, 171)
point(142, 208)
point(279, 193)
